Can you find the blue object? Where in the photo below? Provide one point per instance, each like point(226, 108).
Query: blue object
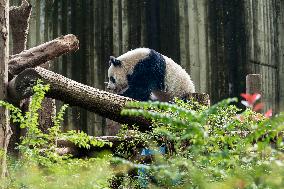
point(142, 173)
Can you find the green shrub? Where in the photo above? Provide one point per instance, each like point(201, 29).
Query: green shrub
point(216, 147)
point(40, 166)
point(207, 147)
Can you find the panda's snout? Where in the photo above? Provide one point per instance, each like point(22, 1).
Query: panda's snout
point(109, 86)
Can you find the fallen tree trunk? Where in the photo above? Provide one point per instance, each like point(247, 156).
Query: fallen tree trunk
point(41, 54)
point(76, 94)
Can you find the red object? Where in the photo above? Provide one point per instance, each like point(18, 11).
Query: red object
point(258, 107)
point(268, 114)
point(251, 98)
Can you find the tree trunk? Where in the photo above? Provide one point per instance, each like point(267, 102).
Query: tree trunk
point(31, 42)
point(42, 53)
point(19, 22)
point(37, 20)
point(5, 130)
point(66, 59)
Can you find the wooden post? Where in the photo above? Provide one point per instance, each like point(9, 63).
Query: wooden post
point(253, 84)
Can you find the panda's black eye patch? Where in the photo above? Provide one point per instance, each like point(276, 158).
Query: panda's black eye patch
point(112, 79)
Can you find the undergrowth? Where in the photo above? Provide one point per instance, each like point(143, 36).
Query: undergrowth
point(211, 147)
point(220, 146)
point(39, 165)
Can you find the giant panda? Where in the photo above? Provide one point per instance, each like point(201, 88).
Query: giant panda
point(144, 74)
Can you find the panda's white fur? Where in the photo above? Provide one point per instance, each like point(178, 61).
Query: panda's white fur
point(129, 60)
point(177, 83)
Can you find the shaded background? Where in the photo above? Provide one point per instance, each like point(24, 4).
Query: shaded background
point(217, 41)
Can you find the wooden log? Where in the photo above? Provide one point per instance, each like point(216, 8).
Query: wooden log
point(106, 104)
point(43, 53)
point(75, 94)
point(115, 140)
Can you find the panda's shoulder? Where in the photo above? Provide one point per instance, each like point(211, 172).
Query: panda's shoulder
point(138, 53)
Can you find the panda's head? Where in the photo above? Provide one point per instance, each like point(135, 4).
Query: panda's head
point(121, 67)
point(117, 76)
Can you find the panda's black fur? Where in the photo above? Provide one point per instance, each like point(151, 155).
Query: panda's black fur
point(152, 69)
point(145, 74)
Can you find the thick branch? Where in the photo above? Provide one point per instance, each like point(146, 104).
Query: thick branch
point(41, 54)
point(75, 94)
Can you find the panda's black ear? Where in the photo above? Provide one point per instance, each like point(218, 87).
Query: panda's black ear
point(114, 61)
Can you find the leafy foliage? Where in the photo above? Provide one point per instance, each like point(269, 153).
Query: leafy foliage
point(220, 146)
point(40, 166)
point(216, 147)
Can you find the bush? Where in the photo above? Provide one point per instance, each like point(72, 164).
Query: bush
point(40, 166)
point(220, 146)
point(216, 147)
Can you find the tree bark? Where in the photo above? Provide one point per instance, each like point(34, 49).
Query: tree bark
point(5, 130)
point(43, 53)
point(75, 94)
point(19, 22)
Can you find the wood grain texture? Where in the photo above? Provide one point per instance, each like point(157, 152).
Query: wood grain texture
point(264, 28)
